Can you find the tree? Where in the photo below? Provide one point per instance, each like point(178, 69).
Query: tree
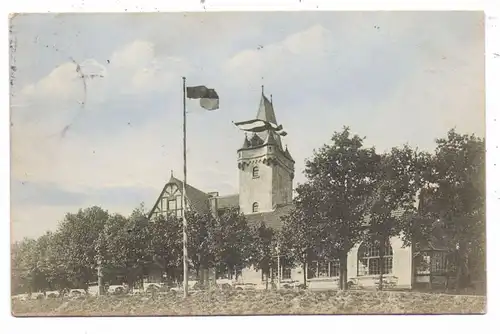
point(299, 235)
point(392, 202)
point(200, 229)
point(230, 242)
point(459, 172)
point(165, 246)
point(263, 242)
point(55, 265)
point(341, 177)
point(127, 241)
point(24, 266)
point(78, 235)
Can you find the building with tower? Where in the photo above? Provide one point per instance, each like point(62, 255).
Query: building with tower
point(266, 171)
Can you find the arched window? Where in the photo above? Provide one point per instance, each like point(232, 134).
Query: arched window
point(255, 172)
point(369, 261)
point(255, 207)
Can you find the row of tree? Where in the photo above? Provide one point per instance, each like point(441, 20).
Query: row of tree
point(129, 248)
point(352, 194)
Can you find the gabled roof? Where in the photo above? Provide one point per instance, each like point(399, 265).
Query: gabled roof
point(272, 219)
point(197, 199)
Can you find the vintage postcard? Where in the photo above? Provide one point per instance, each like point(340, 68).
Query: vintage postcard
point(248, 163)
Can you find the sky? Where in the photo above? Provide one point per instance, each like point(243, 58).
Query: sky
point(392, 77)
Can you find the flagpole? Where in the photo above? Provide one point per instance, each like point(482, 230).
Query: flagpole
point(184, 202)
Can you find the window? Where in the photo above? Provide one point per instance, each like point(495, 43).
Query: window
point(369, 262)
point(286, 273)
point(323, 268)
point(422, 264)
point(434, 262)
point(438, 262)
point(255, 207)
point(255, 172)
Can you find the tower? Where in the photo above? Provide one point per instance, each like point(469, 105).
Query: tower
point(266, 170)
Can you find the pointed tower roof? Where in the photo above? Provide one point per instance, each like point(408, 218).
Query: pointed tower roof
point(287, 154)
point(246, 143)
point(266, 110)
point(266, 113)
point(256, 140)
point(271, 139)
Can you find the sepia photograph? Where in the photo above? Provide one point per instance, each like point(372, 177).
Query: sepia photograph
point(247, 163)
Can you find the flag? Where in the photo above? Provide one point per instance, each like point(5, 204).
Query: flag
point(258, 125)
point(209, 99)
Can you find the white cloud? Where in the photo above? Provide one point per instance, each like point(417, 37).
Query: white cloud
point(308, 45)
point(133, 69)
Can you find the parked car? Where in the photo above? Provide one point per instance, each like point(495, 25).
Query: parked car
point(77, 293)
point(118, 289)
point(245, 286)
point(21, 297)
point(52, 294)
point(37, 295)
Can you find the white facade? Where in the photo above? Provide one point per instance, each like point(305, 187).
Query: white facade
point(399, 277)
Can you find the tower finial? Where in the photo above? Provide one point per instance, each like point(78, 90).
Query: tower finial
point(262, 89)
point(271, 96)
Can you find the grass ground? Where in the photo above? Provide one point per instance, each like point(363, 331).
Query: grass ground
point(257, 303)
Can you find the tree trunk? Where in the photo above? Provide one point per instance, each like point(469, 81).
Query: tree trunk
point(341, 279)
point(266, 273)
point(304, 270)
point(100, 280)
point(343, 271)
point(461, 272)
point(381, 264)
point(430, 271)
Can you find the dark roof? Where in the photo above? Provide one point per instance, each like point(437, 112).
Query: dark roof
point(197, 199)
point(229, 201)
point(438, 241)
point(435, 244)
point(271, 140)
point(266, 113)
point(255, 140)
point(266, 110)
point(246, 143)
point(288, 155)
point(271, 219)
